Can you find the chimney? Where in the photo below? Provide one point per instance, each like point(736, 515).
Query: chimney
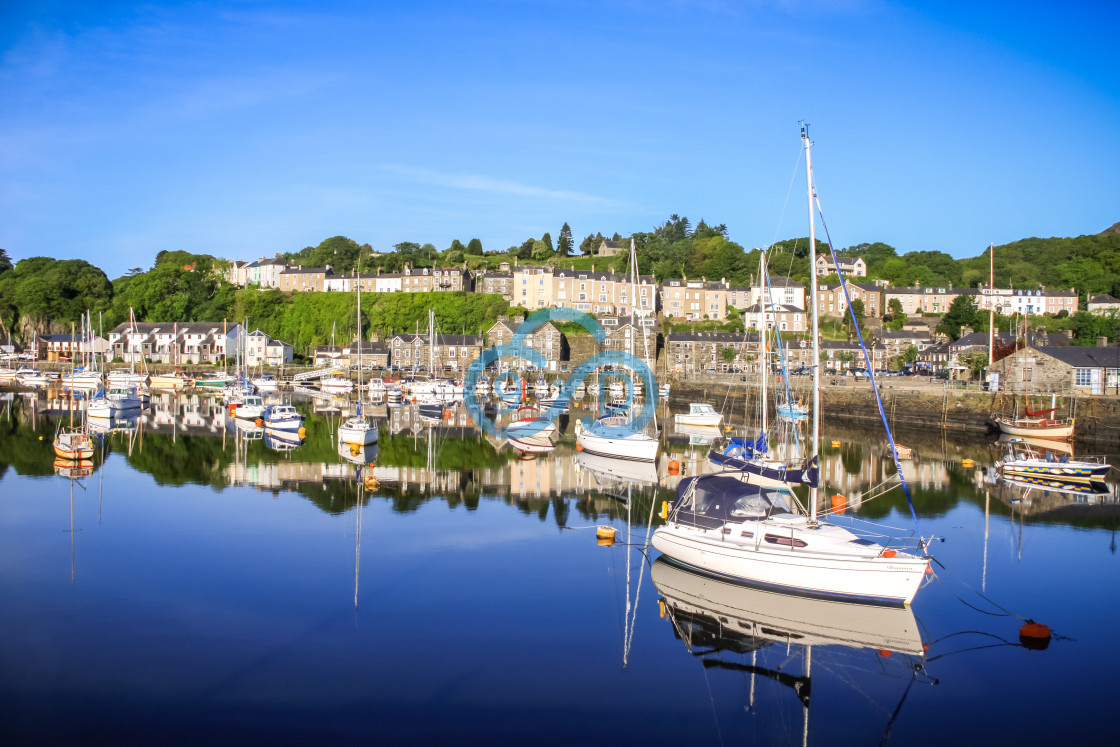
point(1102, 342)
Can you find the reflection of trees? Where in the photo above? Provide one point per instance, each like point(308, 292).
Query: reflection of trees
point(198, 460)
point(21, 447)
point(852, 459)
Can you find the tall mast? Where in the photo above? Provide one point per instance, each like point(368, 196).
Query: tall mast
point(815, 448)
point(991, 301)
point(765, 351)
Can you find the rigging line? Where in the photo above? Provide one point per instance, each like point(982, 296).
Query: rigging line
point(641, 574)
point(789, 191)
point(1006, 612)
point(781, 354)
point(867, 362)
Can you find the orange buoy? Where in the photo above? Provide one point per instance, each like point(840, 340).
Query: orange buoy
point(839, 503)
point(674, 467)
point(928, 569)
point(414, 400)
point(579, 446)
point(258, 422)
point(1034, 635)
point(604, 532)
point(889, 553)
point(604, 541)
point(447, 414)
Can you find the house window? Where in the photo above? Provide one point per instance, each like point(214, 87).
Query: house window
point(1083, 376)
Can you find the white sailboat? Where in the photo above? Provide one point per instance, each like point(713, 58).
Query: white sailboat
point(612, 434)
point(335, 382)
point(358, 431)
point(723, 527)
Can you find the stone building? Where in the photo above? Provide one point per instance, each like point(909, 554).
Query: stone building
point(1060, 369)
point(702, 352)
point(545, 339)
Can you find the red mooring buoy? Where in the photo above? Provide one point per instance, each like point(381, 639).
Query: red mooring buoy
point(1034, 635)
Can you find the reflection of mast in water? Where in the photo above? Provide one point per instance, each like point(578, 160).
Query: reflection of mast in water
point(358, 539)
point(987, 514)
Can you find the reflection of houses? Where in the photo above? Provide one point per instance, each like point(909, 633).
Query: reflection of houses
point(1064, 369)
point(169, 342)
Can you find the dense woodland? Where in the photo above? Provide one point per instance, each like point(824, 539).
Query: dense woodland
point(42, 294)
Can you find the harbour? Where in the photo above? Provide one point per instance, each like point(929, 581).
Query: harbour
point(195, 580)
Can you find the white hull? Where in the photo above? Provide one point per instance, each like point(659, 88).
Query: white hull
point(336, 386)
point(838, 571)
point(1036, 428)
point(266, 385)
point(782, 617)
point(637, 446)
point(357, 431)
point(689, 419)
point(82, 381)
point(168, 382)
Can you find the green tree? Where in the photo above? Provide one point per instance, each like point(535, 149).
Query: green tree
point(587, 246)
point(728, 354)
point(547, 240)
point(896, 318)
point(910, 355)
point(962, 312)
point(6, 261)
point(974, 360)
point(564, 244)
point(857, 313)
point(541, 251)
point(474, 246)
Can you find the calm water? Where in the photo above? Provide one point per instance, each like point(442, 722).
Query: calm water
point(200, 585)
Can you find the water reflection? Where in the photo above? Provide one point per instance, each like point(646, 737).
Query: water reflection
point(192, 438)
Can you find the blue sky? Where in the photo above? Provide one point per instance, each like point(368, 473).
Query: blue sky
point(242, 129)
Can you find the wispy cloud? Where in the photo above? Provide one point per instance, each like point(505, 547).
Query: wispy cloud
point(480, 183)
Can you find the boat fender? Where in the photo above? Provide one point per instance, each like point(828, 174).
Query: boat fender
point(664, 510)
point(840, 504)
point(674, 467)
point(302, 432)
point(258, 422)
point(889, 553)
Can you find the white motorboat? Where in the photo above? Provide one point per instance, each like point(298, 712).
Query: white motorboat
point(266, 384)
point(336, 384)
point(82, 380)
point(251, 407)
point(118, 401)
point(281, 418)
point(699, 413)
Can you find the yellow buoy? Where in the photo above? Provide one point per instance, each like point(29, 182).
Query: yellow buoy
point(605, 542)
point(836, 444)
point(664, 510)
point(967, 463)
point(355, 449)
point(302, 432)
point(604, 532)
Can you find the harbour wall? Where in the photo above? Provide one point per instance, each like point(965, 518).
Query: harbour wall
point(924, 405)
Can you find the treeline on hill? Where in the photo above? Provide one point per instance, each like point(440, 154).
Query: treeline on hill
point(42, 294)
